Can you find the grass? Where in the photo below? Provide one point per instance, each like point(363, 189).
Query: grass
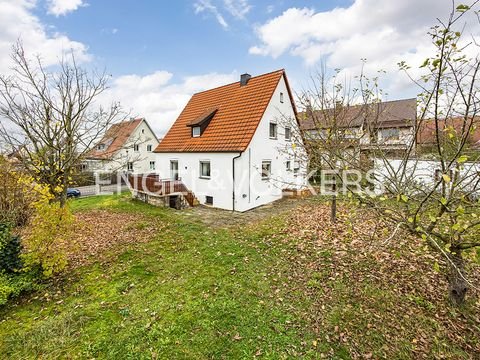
point(194, 292)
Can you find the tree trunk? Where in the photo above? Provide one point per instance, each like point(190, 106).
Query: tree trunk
point(333, 215)
point(457, 286)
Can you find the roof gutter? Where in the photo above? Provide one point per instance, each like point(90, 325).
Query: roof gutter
point(233, 178)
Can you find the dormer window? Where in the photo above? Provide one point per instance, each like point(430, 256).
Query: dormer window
point(200, 123)
point(281, 97)
point(196, 131)
point(101, 147)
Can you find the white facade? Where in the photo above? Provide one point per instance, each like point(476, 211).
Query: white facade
point(135, 156)
point(243, 171)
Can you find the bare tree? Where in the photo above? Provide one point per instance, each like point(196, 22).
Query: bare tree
point(50, 116)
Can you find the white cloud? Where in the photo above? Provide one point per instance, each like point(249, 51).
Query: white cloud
point(63, 7)
point(18, 22)
point(383, 33)
point(237, 9)
point(207, 6)
point(157, 98)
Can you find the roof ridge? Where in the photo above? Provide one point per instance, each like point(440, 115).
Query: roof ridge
point(235, 82)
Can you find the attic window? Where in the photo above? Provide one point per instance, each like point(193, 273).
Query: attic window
point(281, 97)
point(273, 131)
point(196, 131)
point(101, 147)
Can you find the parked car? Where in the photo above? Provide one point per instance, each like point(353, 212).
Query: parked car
point(73, 193)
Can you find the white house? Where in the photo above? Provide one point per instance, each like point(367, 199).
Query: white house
point(233, 147)
point(127, 147)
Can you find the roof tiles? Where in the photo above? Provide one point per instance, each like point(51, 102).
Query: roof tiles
point(240, 109)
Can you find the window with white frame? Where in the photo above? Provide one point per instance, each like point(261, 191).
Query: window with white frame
point(130, 166)
point(390, 134)
point(288, 133)
point(136, 147)
point(152, 165)
point(288, 165)
point(281, 97)
point(273, 130)
point(205, 169)
point(266, 169)
point(101, 147)
point(149, 148)
point(196, 131)
point(296, 167)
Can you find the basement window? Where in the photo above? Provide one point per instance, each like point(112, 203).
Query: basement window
point(196, 131)
point(273, 131)
point(208, 200)
point(266, 169)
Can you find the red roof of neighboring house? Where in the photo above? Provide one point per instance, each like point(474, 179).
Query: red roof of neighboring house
point(426, 131)
point(231, 127)
point(115, 139)
point(387, 114)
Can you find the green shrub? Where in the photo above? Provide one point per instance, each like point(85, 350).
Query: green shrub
point(10, 249)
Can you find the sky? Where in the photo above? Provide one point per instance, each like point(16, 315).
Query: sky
point(159, 53)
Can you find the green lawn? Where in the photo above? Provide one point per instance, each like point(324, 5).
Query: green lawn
point(192, 292)
point(289, 286)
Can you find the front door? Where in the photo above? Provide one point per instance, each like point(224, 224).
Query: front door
point(174, 169)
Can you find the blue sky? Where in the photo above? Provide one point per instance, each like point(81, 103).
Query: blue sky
point(160, 52)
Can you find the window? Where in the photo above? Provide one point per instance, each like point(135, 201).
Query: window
point(288, 133)
point(149, 148)
point(152, 165)
point(101, 147)
point(205, 169)
point(136, 147)
point(281, 97)
point(266, 169)
point(130, 166)
point(143, 131)
point(208, 200)
point(273, 131)
point(288, 165)
point(174, 169)
point(296, 167)
point(390, 134)
point(196, 131)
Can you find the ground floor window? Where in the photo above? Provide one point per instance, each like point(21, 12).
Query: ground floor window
point(266, 169)
point(152, 165)
point(205, 169)
point(130, 166)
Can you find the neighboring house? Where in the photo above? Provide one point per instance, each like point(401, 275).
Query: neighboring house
point(126, 146)
point(426, 135)
point(389, 126)
point(232, 147)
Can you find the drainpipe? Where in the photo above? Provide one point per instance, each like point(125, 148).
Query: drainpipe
point(233, 175)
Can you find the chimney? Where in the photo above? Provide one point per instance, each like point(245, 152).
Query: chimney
point(244, 79)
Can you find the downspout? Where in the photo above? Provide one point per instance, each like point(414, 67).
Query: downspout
point(233, 177)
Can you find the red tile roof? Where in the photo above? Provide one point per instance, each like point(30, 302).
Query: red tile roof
point(426, 134)
point(114, 139)
point(240, 109)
